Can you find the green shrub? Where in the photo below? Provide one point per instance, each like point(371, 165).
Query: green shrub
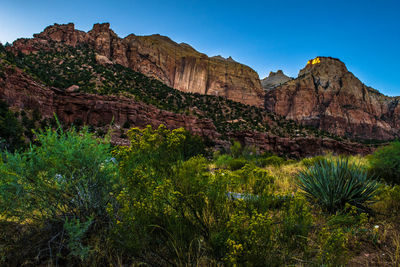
point(170, 217)
point(255, 180)
point(222, 161)
point(156, 149)
point(76, 231)
point(389, 201)
point(272, 160)
point(308, 162)
point(236, 149)
point(333, 247)
point(260, 237)
point(385, 163)
point(228, 162)
point(236, 164)
point(335, 183)
point(64, 177)
point(11, 130)
point(193, 145)
point(250, 152)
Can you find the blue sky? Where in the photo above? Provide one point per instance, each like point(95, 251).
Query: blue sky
point(265, 35)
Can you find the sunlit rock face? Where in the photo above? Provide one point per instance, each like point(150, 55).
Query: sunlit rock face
point(177, 65)
point(329, 97)
point(314, 61)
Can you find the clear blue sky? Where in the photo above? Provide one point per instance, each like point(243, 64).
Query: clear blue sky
point(265, 35)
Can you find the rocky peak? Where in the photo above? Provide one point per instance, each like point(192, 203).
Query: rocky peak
point(108, 44)
point(274, 79)
point(65, 33)
point(101, 27)
point(329, 97)
point(56, 29)
point(219, 57)
point(278, 72)
point(326, 66)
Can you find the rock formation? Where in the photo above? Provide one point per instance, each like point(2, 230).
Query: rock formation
point(274, 79)
point(22, 92)
point(329, 97)
point(177, 65)
point(324, 95)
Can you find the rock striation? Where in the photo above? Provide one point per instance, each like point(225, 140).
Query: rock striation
point(329, 97)
point(177, 65)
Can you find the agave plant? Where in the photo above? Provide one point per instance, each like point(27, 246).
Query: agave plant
point(336, 182)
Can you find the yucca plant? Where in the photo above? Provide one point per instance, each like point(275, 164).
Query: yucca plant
point(336, 182)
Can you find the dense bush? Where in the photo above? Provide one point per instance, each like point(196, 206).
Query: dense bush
point(169, 211)
point(272, 160)
point(228, 162)
point(11, 130)
point(236, 149)
point(389, 201)
point(335, 183)
point(236, 164)
point(254, 180)
point(256, 237)
point(67, 201)
point(222, 161)
point(58, 189)
point(180, 213)
point(385, 163)
point(309, 162)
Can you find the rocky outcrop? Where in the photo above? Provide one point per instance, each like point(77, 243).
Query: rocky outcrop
point(274, 79)
point(177, 65)
point(20, 91)
point(329, 97)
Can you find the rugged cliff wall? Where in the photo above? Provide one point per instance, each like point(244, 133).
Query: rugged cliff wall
point(20, 91)
point(177, 65)
point(329, 97)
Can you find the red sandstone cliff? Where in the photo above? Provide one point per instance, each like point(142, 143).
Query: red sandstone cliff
point(326, 95)
point(177, 65)
point(20, 91)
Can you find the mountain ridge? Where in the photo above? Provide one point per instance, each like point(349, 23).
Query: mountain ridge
point(80, 90)
point(329, 97)
point(22, 92)
point(325, 95)
point(176, 65)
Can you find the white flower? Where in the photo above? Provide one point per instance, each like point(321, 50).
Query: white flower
point(376, 226)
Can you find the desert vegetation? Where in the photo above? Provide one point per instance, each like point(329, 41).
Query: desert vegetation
point(70, 198)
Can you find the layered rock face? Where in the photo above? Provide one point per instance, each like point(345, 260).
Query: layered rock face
point(177, 65)
point(274, 79)
point(329, 97)
point(22, 92)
